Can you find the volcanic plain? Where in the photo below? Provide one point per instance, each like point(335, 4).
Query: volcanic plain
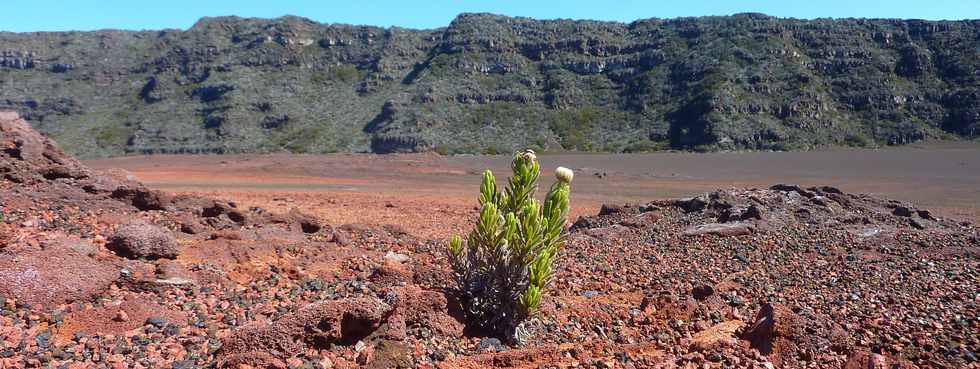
point(833, 259)
point(433, 195)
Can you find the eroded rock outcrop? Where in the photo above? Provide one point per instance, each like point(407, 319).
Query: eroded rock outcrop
point(31, 160)
point(339, 322)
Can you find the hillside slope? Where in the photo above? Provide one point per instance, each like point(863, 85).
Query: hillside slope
point(489, 83)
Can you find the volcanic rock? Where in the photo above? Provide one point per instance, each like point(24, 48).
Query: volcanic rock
point(867, 360)
point(644, 219)
point(702, 292)
point(53, 276)
point(191, 225)
point(226, 210)
point(607, 209)
point(74, 244)
point(27, 156)
point(717, 335)
point(420, 307)
point(322, 324)
point(294, 220)
point(607, 233)
point(776, 330)
point(30, 159)
point(141, 240)
point(720, 229)
point(391, 273)
point(142, 198)
point(307, 223)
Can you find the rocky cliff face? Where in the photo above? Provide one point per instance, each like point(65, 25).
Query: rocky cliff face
point(490, 83)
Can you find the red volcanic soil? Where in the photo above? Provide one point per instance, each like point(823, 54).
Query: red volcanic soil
point(338, 261)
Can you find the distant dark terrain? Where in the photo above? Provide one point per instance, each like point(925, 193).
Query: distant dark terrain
point(488, 84)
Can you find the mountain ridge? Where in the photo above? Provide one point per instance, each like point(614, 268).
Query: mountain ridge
point(487, 83)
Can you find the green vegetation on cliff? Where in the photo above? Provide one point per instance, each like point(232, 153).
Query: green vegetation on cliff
point(746, 81)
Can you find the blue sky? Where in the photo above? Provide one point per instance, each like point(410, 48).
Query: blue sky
point(61, 15)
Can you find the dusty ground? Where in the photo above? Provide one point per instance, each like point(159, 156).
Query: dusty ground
point(431, 195)
point(97, 270)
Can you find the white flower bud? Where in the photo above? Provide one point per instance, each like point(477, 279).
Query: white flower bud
point(564, 174)
point(529, 155)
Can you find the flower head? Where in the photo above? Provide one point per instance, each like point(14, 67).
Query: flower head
point(529, 155)
point(564, 174)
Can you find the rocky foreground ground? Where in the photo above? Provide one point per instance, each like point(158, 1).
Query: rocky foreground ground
point(96, 270)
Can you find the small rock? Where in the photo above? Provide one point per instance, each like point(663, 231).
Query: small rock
point(866, 360)
point(702, 292)
point(307, 223)
point(772, 323)
point(720, 229)
point(396, 257)
point(121, 316)
point(607, 233)
point(80, 246)
point(641, 220)
point(365, 355)
point(902, 211)
point(916, 224)
point(607, 209)
point(141, 240)
point(490, 344)
point(60, 354)
point(183, 364)
point(156, 321)
point(191, 225)
point(718, 335)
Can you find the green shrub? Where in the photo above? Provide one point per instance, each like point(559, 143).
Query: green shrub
point(338, 73)
point(345, 73)
point(502, 268)
point(442, 150)
point(574, 127)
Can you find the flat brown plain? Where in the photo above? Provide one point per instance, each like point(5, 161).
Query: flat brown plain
point(434, 196)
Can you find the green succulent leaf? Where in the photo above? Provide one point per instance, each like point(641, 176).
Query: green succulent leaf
point(456, 245)
point(488, 189)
